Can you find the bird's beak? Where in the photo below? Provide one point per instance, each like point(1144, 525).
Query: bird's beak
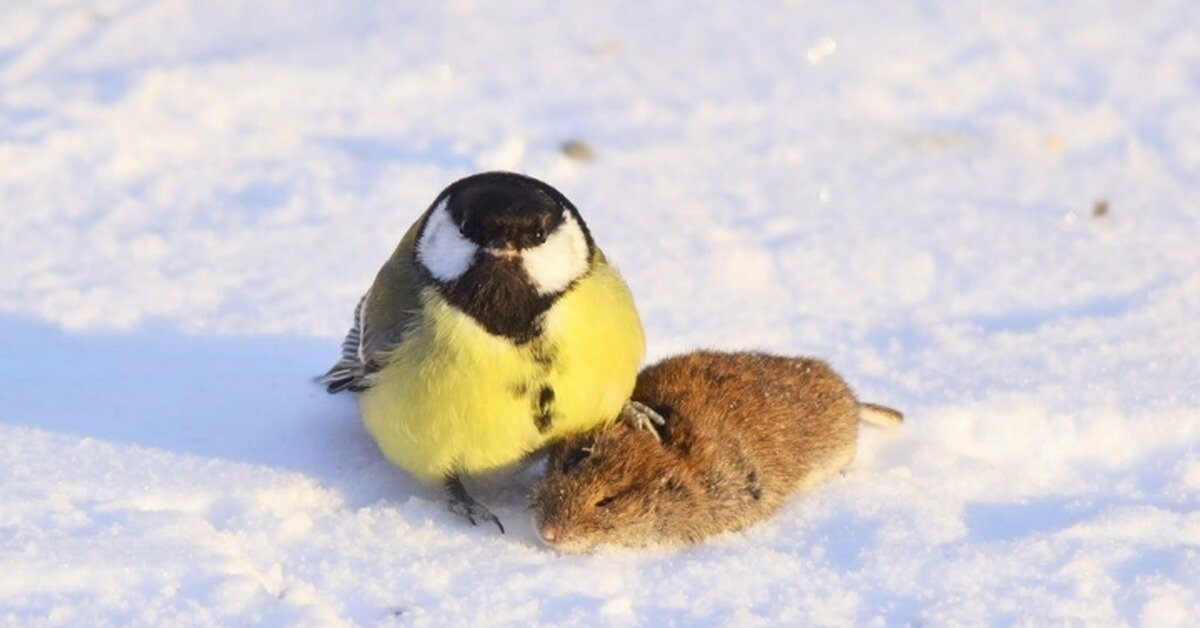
point(507, 251)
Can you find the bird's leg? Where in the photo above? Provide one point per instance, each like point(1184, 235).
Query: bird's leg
point(640, 416)
point(461, 503)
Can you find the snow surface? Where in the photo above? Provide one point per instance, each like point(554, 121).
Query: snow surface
point(193, 194)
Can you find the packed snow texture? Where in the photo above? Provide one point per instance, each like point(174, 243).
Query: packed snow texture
point(985, 214)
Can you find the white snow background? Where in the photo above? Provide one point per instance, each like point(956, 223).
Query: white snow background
point(194, 193)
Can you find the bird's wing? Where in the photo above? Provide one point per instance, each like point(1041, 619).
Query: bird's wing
point(349, 373)
point(382, 318)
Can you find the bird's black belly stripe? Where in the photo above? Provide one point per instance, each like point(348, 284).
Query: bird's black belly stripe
point(543, 413)
point(499, 296)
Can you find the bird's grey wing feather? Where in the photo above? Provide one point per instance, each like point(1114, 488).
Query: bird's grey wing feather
point(381, 319)
point(349, 373)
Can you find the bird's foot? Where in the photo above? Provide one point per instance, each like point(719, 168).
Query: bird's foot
point(640, 416)
point(461, 503)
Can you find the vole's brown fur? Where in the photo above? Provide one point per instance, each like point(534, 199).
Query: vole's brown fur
point(743, 432)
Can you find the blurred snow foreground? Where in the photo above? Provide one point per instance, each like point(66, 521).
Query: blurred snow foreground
point(984, 215)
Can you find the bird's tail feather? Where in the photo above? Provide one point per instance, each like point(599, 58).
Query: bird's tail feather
point(343, 376)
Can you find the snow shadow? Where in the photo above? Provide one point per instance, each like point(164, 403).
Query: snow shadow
point(243, 399)
point(1004, 521)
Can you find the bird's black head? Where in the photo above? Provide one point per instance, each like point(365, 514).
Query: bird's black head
point(505, 213)
point(502, 247)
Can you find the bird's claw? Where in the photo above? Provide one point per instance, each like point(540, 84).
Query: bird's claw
point(640, 416)
point(475, 513)
point(461, 503)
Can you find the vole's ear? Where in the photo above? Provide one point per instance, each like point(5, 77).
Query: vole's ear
point(575, 455)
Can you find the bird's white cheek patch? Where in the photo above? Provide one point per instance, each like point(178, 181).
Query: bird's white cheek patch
point(558, 261)
point(442, 250)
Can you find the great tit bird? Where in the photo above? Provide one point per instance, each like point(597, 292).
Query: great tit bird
point(496, 327)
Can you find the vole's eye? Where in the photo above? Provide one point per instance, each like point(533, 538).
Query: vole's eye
point(606, 502)
point(574, 457)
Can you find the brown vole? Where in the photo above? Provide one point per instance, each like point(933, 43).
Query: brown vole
point(743, 432)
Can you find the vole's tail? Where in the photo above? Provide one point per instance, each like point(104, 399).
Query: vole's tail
point(882, 416)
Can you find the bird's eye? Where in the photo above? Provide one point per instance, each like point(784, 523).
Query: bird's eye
point(539, 234)
point(606, 502)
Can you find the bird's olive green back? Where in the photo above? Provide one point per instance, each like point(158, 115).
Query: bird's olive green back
point(395, 298)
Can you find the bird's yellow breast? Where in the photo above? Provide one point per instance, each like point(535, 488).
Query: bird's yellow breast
point(455, 399)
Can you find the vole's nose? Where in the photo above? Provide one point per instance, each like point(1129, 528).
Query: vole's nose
point(550, 534)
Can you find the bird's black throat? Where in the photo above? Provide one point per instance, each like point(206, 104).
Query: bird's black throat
point(497, 293)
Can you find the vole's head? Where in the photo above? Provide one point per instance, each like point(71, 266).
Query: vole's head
point(613, 486)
